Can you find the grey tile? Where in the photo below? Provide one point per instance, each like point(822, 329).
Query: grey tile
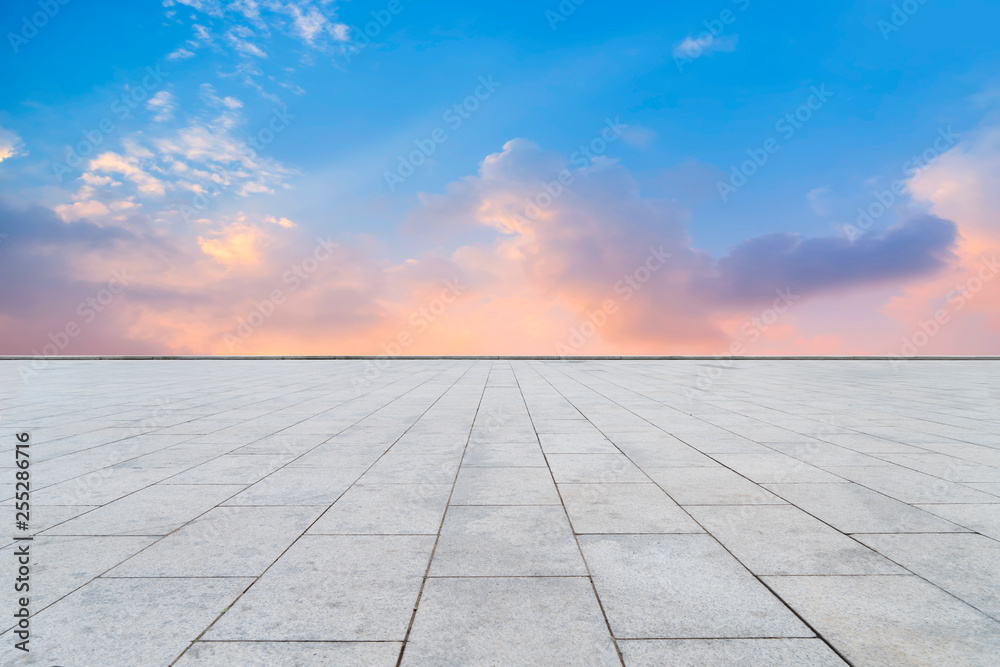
point(481, 541)
point(386, 509)
point(299, 486)
point(99, 487)
point(59, 565)
point(498, 454)
point(129, 621)
point(892, 620)
point(232, 469)
point(509, 621)
point(964, 564)
point(155, 510)
point(576, 443)
point(681, 586)
point(855, 509)
point(594, 468)
point(983, 519)
point(728, 652)
point(775, 468)
point(356, 588)
point(292, 654)
point(413, 469)
point(223, 542)
point(504, 486)
point(782, 539)
point(624, 508)
point(911, 486)
point(711, 486)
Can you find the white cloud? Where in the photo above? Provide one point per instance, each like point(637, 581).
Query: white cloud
point(162, 104)
point(10, 145)
point(704, 44)
point(819, 200)
point(114, 163)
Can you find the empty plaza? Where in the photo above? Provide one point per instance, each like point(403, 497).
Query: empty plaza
point(504, 512)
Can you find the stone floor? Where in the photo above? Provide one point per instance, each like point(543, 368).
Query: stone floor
point(495, 512)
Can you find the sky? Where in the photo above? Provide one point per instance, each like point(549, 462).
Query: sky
point(383, 177)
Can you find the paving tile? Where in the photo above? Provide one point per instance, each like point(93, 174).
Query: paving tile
point(509, 621)
point(155, 510)
point(297, 486)
point(892, 620)
point(223, 542)
point(781, 539)
point(775, 468)
point(966, 565)
point(481, 541)
point(911, 486)
point(624, 508)
point(983, 519)
point(99, 487)
point(413, 469)
point(495, 454)
point(59, 565)
point(339, 456)
point(232, 469)
point(594, 468)
point(504, 486)
point(128, 621)
point(855, 509)
point(292, 654)
point(387, 509)
point(824, 454)
point(576, 443)
point(356, 588)
point(711, 486)
point(728, 653)
point(681, 586)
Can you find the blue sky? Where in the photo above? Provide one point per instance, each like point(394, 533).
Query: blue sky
point(694, 104)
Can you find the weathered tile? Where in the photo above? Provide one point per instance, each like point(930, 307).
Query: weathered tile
point(594, 468)
point(373, 509)
point(129, 621)
point(504, 486)
point(299, 486)
point(482, 541)
point(892, 620)
point(728, 653)
point(964, 564)
point(624, 508)
point(855, 509)
point(711, 486)
point(681, 586)
point(509, 621)
point(223, 542)
point(782, 539)
point(292, 654)
point(155, 510)
point(355, 588)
